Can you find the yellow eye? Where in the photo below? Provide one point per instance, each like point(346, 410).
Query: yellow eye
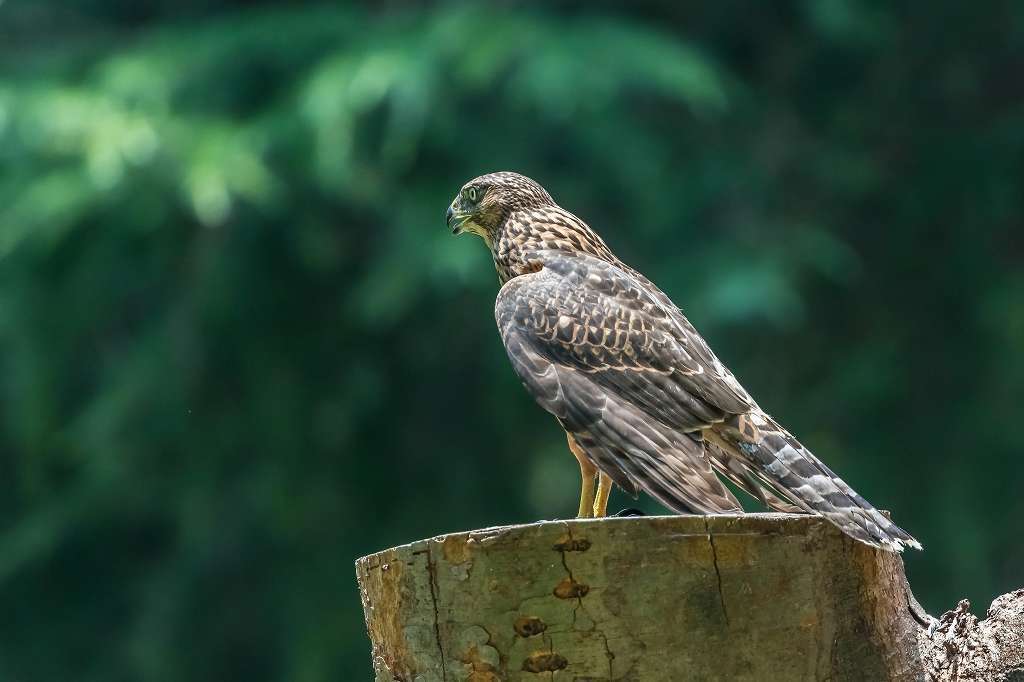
point(471, 194)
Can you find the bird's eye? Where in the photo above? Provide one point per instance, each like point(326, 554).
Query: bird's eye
point(472, 194)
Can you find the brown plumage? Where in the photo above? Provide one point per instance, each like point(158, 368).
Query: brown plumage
point(629, 378)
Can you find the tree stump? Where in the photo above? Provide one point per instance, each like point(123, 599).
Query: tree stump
point(730, 597)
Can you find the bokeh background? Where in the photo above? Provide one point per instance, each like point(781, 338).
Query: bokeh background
point(239, 348)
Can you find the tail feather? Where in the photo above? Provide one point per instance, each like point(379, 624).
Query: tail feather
point(774, 454)
point(733, 468)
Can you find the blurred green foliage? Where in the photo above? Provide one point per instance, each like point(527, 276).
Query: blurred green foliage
point(239, 348)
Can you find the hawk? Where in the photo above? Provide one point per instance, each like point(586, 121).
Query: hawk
point(644, 401)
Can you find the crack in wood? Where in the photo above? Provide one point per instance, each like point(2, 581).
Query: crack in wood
point(607, 652)
point(582, 545)
point(577, 593)
point(718, 573)
point(432, 571)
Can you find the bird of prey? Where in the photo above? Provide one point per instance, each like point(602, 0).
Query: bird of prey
point(643, 399)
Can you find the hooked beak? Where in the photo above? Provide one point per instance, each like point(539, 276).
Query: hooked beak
point(455, 221)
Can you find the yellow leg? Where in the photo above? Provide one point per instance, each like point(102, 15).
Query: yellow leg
point(604, 489)
point(587, 473)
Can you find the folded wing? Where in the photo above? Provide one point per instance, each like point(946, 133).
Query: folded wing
point(600, 353)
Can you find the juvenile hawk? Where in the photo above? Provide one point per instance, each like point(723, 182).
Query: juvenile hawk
point(644, 401)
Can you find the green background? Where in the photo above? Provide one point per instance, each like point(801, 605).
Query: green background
point(239, 348)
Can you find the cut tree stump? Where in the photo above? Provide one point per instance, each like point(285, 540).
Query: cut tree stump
point(731, 597)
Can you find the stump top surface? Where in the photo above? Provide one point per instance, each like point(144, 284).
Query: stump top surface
point(766, 524)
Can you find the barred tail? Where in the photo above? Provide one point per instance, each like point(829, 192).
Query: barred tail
point(780, 460)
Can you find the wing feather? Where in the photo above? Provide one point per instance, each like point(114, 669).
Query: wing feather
point(601, 354)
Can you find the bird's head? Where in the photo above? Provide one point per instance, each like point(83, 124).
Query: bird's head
point(483, 203)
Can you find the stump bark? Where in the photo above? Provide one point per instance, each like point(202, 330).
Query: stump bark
point(732, 597)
